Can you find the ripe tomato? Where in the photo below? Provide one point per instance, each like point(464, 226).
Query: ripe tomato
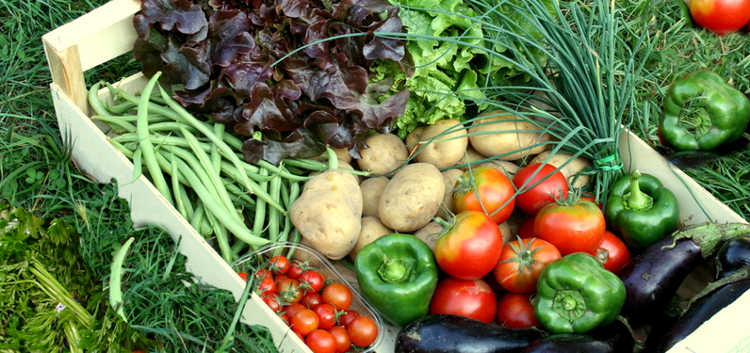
point(515, 311)
point(312, 280)
point(527, 229)
point(578, 227)
point(321, 341)
point(266, 284)
point(279, 264)
point(293, 308)
point(494, 190)
point(531, 200)
point(362, 331)
point(243, 275)
point(296, 269)
point(720, 16)
point(305, 321)
point(348, 317)
point(311, 299)
point(272, 300)
point(343, 343)
point(326, 315)
point(473, 299)
point(471, 248)
point(521, 263)
point(289, 290)
point(337, 295)
point(612, 253)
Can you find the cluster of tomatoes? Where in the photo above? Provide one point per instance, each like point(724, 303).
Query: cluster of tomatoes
point(479, 265)
point(317, 311)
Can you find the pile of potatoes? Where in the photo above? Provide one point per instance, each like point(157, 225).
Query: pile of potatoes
point(338, 214)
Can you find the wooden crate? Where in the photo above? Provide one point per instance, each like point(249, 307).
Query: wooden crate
point(107, 32)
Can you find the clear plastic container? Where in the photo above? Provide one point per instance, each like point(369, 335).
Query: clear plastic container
point(334, 273)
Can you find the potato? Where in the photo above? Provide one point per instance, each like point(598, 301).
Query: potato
point(383, 154)
point(372, 188)
point(412, 197)
point(450, 177)
point(372, 229)
point(430, 234)
point(328, 213)
point(445, 150)
point(471, 155)
point(506, 232)
point(569, 170)
point(413, 138)
point(493, 144)
point(509, 168)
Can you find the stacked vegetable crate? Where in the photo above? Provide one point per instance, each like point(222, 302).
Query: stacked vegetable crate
point(107, 32)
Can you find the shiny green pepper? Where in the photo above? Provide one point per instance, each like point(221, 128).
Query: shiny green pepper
point(702, 112)
point(576, 294)
point(398, 275)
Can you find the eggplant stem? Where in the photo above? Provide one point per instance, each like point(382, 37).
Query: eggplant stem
point(736, 276)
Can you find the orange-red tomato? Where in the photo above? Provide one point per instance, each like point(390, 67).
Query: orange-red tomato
point(515, 311)
point(326, 315)
point(471, 248)
point(362, 331)
point(612, 253)
point(578, 227)
point(720, 16)
point(532, 199)
point(289, 289)
point(305, 321)
point(341, 336)
point(521, 263)
point(337, 295)
point(293, 308)
point(494, 189)
point(321, 341)
point(279, 264)
point(473, 299)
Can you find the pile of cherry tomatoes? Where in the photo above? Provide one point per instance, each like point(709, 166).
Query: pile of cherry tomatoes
point(317, 311)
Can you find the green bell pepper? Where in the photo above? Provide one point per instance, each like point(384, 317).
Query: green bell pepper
point(702, 112)
point(576, 294)
point(398, 275)
point(641, 218)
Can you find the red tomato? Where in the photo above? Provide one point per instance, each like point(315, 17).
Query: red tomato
point(266, 284)
point(515, 311)
point(495, 191)
point(337, 295)
point(612, 253)
point(362, 331)
point(527, 229)
point(720, 16)
point(289, 290)
point(326, 315)
point(321, 341)
point(471, 248)
point(285, 317)
point(305, 321)
point(522, 262)
point(311, 299)
point(578, 227)
point(343, 343)
point(296, 269)
point(348, 317)
point(473, 299)
point(531, 200)
point(243, 275)
point(293, 308)
point(312, 280)
point(279, 264)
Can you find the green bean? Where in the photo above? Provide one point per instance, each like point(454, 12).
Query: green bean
point(216, 208)
point(155, 139)
point(285, 195)
point(215, 156)
point(144, 142)
point(121, 108)
point(260, 208)
point(307, 164)
point(115, 278)
point(295, 239)
point(237, 247)
point(115, 121)
point(197, 220)
point(281, 171)
point(96, 105)
point(152, 117)
point(179, 197)
point(221, 237)
point(127, 152)
point(273, 215)
point(137, 164)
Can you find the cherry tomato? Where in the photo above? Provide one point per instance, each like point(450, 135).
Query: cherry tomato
point(343, 343)
point(321, 341)
point(578, 227)
point(720, 16)
point(289, 290)
point(473, 299)
point(264, 273)
point(272, 300)
point(305, 321)
point(296, 269)
point(527, 229)
point(243, 275)
point(293, 308)
point(312, 280)
point(515, 311)
point(362, 331)
point(337, 295)
point(285, 318)
point(521, 263)
point(532, 200)
point(612, 253)
point(348, 317)
point(326, 315)
point(495, 193)
point(266, 284)
point(311, 299)
point(279, 264)
point(471, 248)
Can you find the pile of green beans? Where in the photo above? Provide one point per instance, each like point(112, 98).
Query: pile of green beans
point(195, 165)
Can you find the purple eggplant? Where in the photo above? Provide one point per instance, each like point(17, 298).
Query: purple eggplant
point(653, 277)
point(569, 343)
point(734, 255)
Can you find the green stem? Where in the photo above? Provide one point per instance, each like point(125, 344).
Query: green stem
point(637, 199)
point(394, 271)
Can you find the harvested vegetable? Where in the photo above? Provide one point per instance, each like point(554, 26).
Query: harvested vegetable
point(372, 229)
point(485, 190)
point(470, 247)
point(412, 197)
point(571, 226)
point(472, 299)
point(398, 275)
point(502, 134)
point(382, 153)
point(372, 189)
point(444, 143)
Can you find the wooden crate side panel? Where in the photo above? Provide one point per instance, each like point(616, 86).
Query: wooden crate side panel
point(637, 154)
point(98, 159)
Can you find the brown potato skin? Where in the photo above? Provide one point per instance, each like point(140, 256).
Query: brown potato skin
point(412, 198)
point(569, 170)
point(508, 168)
point(447, 150)
point(450, 177)
point(384, 153)
point(430, 234)
point(328, 213)
point(372, 229)
point(499, 143)
point(372, 189)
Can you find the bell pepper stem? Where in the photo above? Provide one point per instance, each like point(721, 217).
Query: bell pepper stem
point(637, 199)
point(394, 270)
